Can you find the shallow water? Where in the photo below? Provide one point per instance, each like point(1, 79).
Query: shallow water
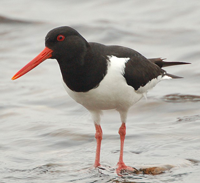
point(47, 137)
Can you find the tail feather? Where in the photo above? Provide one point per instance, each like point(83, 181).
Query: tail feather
point(159, 62)
point(173, 76)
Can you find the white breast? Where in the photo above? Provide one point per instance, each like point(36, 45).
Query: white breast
point(112, 92)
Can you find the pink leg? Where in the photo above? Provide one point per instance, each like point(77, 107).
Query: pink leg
point(98, 137)
point(121, 164)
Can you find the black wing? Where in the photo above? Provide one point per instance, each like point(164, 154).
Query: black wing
point(138, 70)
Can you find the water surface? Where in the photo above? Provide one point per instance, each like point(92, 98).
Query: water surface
point(47, 137)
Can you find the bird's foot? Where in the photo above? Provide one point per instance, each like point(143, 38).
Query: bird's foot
point(122, 169)
point(96, 165)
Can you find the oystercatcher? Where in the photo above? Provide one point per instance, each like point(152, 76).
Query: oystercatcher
point(101, 77)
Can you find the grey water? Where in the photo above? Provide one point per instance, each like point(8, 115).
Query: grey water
point(47, 137)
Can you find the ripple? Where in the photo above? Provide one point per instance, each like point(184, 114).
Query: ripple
point(189, 118)
point(179, 98)
point(7, 20)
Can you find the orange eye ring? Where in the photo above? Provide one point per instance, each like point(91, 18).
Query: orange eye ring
point(60, 37)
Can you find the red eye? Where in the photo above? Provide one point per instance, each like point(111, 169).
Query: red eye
point(60, 37)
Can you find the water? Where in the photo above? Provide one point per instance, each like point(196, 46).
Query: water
point(47, 137)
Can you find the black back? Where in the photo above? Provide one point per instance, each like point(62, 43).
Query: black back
point(139, 70)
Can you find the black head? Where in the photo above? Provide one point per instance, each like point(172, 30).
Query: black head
point(66, 43)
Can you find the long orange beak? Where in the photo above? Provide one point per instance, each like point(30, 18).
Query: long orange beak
point(45, 54)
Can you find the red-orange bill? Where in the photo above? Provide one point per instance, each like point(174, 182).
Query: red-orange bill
point(45, 54)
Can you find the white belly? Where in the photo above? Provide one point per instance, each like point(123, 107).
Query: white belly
point(107, 96)
point(112, 92)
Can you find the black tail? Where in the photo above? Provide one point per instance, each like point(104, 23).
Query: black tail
point(159, 62)
point(173, 76)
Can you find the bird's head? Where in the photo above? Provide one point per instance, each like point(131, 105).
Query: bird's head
point(63, 43)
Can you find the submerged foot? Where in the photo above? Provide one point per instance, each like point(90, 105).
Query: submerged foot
point(123, 169)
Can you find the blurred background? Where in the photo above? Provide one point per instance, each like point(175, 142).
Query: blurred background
point(47, 137)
